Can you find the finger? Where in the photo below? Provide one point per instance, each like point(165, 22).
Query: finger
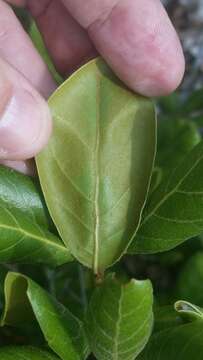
point(137, 39)
point(17, 49)
point(25, 121)
point(26, 167)
point(17, 2)
point(68, 43)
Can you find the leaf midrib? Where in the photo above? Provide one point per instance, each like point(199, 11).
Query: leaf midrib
point(117, 330)
point(97, 180)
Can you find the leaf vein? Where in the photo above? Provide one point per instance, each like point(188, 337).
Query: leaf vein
point(170, 193)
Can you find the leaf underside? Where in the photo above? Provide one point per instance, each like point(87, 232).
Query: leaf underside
point(96, 169)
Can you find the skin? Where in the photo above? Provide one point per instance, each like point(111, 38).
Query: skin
point(135, 37)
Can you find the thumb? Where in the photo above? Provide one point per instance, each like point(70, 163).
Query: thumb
point(25, 120)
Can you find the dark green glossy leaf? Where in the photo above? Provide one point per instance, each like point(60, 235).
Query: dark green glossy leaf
point(170, 104)
point(174, 212)
point(72, 284)
point(194, 102)
point(25, 353)
point(23, 16)
point(183, 342)
point(119, 319)
point(175, 139)
point(25, 224)
point(96, 169)
point(157, 176)
point(165, 317)
point(198, 119)
point(190, 280)
point(25, 242)
point(23, 193)
point(24, 300)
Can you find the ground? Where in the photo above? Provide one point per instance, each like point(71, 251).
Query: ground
point(187, 16)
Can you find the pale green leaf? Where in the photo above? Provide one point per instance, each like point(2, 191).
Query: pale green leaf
point(188, 311)
point(96, 169)
point(119, 319)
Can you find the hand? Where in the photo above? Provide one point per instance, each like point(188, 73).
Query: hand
point(135, 37)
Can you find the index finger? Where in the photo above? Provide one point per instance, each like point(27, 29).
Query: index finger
point(137, 39)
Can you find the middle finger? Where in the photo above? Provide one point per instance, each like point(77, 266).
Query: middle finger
point(68, 43)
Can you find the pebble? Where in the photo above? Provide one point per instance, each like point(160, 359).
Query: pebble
point(187, 16)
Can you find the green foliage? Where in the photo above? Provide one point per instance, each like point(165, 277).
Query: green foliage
point(23, 193)
point(174, 212)
point(190, 280)
point(95, 175)
point(38, 41)
point(188, 312)
point(175, 140)
point(24, 300)
point(25, 226)
point(25, 353)
point(120, 318)
point(180, 343)
point(181, 339)
point(96, 195)
point(23, 16)
point(165, 318)
point(193, 104)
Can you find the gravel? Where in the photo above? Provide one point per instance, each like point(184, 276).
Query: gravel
point(187, 16)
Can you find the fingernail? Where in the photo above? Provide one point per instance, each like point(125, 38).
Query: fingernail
point(24, 125)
